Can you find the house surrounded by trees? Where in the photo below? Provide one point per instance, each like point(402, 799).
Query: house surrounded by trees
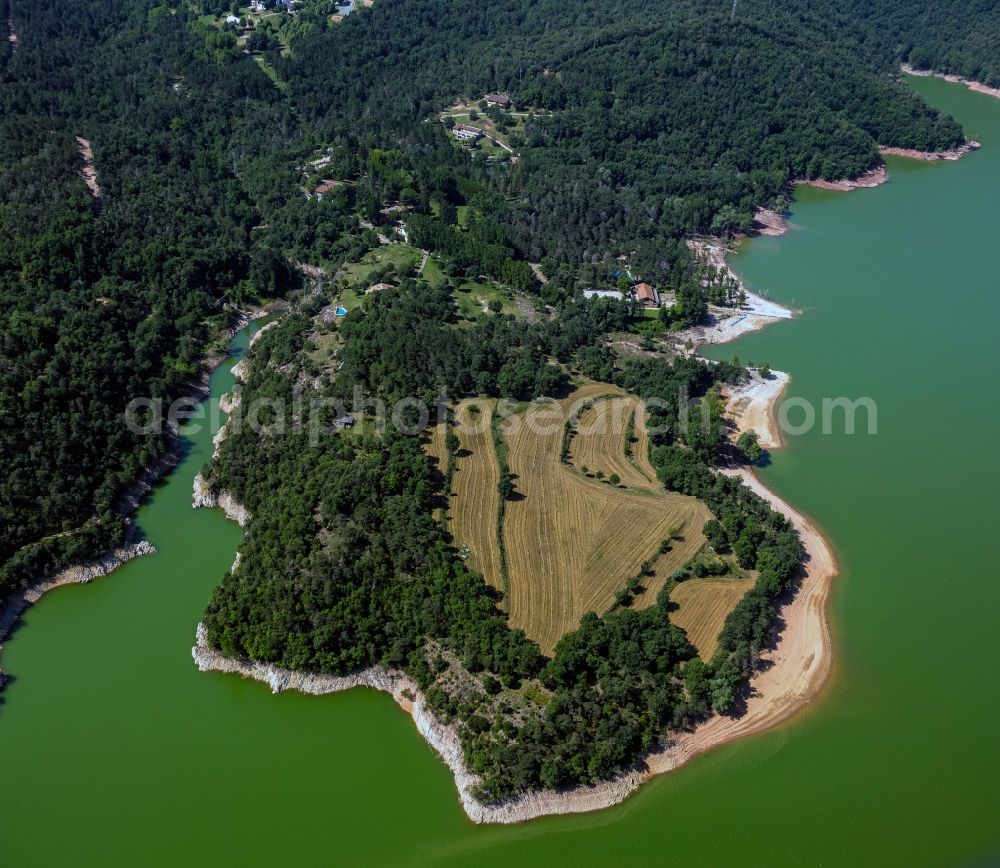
point(466, 133)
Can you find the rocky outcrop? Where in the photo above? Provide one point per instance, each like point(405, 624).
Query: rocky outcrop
point(877, 176)
point(204, 497)
point(229, 402)
point(15, 604)
point(769, 222)
point(257, 335)
point(931, 156)
point(239, 370)
point(95, 569)
point(442, 737)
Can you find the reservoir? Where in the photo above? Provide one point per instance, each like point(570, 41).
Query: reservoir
point(114, 749)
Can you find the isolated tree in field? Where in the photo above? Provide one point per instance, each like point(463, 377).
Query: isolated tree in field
point(749, 446)
point(614, 479)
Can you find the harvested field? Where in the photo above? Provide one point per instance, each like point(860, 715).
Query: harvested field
point(435, 447)
point(685, 545)
point(438, 453)
point(640, 448)
point(475, 497)
point(702, 606)
point(571, 541)
point(599, 442)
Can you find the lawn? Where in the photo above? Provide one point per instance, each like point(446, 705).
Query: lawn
point(433, 273)
point(270, 71)
point(471, 296)
point(484, 123)
point(360, 275)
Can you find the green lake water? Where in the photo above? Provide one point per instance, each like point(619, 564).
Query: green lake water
point(115, 750)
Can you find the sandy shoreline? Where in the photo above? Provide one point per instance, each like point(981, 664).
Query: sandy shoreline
point(751, 406)
point(727, 324)
point(795, 671)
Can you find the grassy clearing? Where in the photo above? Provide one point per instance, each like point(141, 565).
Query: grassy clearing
point(270, 72)
point(472, 297)
point(356, 277)
point(702, 606)
point(572, 542)
point(435, 445)
point(489, 149)
point(325, 352)
point(433, 272)
point(438, 454)
point(401, 256)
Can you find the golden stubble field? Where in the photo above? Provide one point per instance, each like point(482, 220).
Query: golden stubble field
point(571, 541)
point(475, 497)
point(702, 606)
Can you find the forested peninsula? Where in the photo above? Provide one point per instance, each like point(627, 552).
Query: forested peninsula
point(165, 167)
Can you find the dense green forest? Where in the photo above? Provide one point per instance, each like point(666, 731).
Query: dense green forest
point(107, 298)
point(153, 183)
point(343, 565)
point(648, 122)
point(665, 118)
point(959, 37)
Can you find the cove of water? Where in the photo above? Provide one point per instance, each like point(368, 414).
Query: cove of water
point(115, 750)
